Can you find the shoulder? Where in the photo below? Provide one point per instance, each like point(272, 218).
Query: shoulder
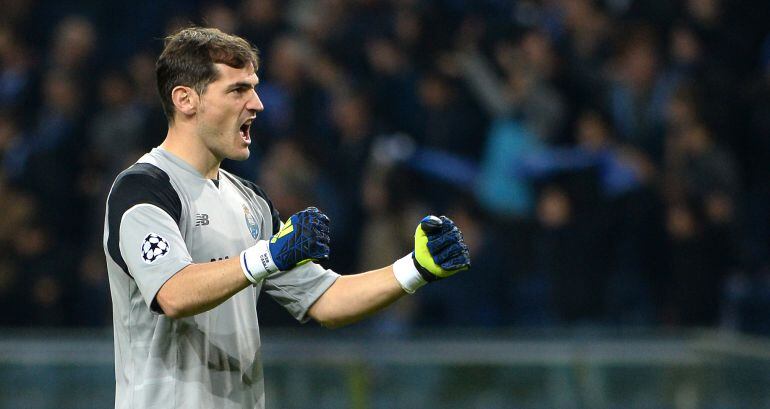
point(144, 183)
point(245, 183)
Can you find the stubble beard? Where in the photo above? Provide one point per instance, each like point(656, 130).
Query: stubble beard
point(222, 144)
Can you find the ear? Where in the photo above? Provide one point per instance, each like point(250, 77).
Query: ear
point(185, 100)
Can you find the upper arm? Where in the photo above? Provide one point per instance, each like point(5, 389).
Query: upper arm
point(143, 235)
point(153, 249)
point(298, 289)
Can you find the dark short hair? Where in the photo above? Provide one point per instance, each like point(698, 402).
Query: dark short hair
point(189, 56)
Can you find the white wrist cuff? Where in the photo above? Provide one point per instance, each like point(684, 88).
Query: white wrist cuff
point(407, 275)
point(256, 262)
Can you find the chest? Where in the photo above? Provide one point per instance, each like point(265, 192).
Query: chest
point(221, 222)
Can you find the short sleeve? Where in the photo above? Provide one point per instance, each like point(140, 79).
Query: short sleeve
point(297, 289)
point(152, 248)
point(142, 234)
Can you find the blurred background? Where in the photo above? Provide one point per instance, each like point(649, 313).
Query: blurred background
point(607, 161)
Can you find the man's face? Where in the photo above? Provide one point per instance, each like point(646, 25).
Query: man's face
point(226, 109)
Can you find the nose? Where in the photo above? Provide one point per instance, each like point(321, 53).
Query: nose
point(255, 104)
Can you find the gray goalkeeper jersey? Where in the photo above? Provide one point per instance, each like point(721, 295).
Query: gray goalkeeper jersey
point(162, 215)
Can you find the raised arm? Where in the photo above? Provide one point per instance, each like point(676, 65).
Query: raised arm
point(200, 287)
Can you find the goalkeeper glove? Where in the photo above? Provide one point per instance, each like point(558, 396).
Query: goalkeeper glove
point(439, 252)
point(303, 238)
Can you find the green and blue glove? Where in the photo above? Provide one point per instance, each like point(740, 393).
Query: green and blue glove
point(303, 238)
point(439, 252)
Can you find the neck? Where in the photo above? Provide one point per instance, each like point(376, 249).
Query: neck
point(182, 141)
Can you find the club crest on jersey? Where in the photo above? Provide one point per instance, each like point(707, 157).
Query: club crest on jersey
point(251, 222)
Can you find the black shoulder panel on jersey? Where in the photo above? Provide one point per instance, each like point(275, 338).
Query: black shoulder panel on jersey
point(261, 193)
point(141, 183)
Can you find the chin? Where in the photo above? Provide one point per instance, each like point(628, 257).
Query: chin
point(241, 154)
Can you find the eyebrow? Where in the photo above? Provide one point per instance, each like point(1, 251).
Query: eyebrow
point(242, 84)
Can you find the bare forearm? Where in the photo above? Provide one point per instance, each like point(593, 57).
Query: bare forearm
point(200, 287)
point(354, 297)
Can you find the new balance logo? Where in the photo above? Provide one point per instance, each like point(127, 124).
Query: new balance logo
point(201, 219)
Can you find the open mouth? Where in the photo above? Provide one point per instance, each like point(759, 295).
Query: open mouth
point(244, 131)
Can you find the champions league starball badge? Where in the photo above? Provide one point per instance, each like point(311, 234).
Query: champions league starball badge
point(251, 222)
point(154, 247)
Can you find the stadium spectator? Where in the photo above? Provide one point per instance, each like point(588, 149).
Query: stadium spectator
point(514, 91)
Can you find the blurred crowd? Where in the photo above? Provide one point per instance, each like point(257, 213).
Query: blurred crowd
point(607, 160)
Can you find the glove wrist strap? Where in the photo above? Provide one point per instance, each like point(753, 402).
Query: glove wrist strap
point(257, 263)
point(407, 274)
point(426, 275)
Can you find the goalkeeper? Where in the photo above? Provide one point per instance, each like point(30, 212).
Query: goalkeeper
point(190, 246)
